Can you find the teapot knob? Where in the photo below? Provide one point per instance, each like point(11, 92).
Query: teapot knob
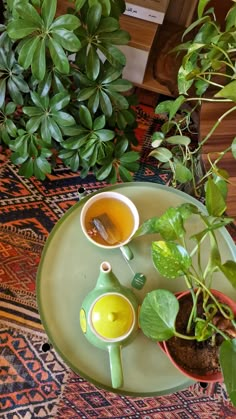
point(112, 316)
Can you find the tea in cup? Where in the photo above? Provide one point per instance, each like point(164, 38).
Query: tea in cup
point(109, 220)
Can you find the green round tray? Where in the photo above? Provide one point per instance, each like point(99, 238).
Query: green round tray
point(69, 269)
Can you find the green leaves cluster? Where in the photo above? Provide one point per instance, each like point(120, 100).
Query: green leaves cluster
point(207, 73)
point(176, 253)
point(62, 91)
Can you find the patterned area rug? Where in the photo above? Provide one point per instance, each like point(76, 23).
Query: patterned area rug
point(34, 381)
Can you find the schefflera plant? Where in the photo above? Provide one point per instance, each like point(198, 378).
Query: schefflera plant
point(62, 93)
point(176, 255)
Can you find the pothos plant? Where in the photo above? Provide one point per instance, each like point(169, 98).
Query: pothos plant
point(62, 95)
point(207, 74)
point(177, 254)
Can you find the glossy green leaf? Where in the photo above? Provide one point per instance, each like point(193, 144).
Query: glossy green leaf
point(170, 224)
point(202, 331)
point(229, 270)
point(67, 21)
point(86, 93)
point(45, 85)
point(33, 123)
point(157, 139)
point(158, 313)
point(33, 149)
point(118, 37)
point(59, 101)
point(170, 259)
point(11, 128)
point(125, 175)
point(233, 147)
point(105, 134)
point(55, 130)
point(179, 139)
point(38, 64)
point(27, 168)
point(14, 92)
point(2, 91)
point(63, 119)
point(182, 173)
point(85, 117)
point(130, 166)
point(37, 100)
point(59, 57)
point(16, 158)
point(108, 24)
point(149, 226)
point(43, 165)
point(230, 19)
point(27, 51)
point(16, 29)
point(20, 83)
point(111, 75)
point(28, 14)
point(129, 157)
point(10, 108)
point(32, 111)
point(99, 122)
point(45, 132)
point(215, 201)
point(94, 17)
point(67, 39)
point(228, 365)
point(162, 154)
point(105, 103)
point(164, 107)
point(228, 91)
point(92, 63)
point(49, 8)
point(201, 7)
point(117, 99)
point(183, 83)
point(74, 162)
point(104, 172)
point(221, 182)
point(120, 85)
point(93, 102)
point(114, 55)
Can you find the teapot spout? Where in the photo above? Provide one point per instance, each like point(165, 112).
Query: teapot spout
point(106, 278)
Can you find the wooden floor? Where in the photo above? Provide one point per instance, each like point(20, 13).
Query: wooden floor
point(220, 140)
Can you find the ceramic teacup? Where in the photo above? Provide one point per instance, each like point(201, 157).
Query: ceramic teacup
point(109, 220)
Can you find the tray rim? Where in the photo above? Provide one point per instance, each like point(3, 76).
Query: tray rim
point(51, 235)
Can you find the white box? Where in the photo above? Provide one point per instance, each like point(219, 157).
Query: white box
point(136, 63)
point(150, 10)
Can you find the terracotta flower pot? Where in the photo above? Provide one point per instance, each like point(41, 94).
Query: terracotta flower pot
point(210, 376)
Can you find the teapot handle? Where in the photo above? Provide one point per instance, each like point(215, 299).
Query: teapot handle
point(115, 365)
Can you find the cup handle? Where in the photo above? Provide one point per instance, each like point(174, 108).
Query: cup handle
point(115, 366)
point(127, 252)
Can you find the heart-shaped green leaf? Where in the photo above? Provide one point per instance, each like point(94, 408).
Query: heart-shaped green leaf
point(170, 259)
point(158, 314)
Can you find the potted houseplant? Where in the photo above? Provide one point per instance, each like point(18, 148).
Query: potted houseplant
point(62, 91)
point(206, 74)
point(208, 322)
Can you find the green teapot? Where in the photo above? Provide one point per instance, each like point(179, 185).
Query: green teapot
point(109, 318)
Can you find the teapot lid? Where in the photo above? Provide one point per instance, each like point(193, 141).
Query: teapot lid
point(112, 317)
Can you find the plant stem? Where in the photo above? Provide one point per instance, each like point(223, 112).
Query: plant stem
point(194, 308)
point(216, 125)
point(186, 337)
point(215, 328)
point(217, 303)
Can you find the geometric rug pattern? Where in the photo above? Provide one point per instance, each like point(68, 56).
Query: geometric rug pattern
point(34, 381)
